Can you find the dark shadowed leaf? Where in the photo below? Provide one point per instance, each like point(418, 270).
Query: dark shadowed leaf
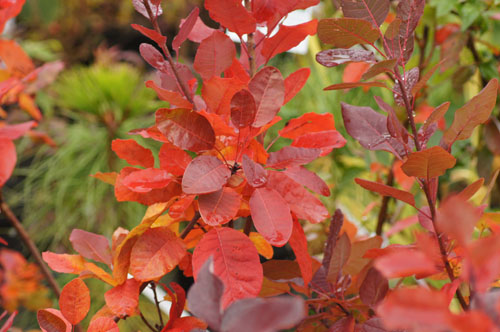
point(287, 37)
point(309, 179)
point(256, 174)
point(90, 245)
point(268, 90)
point(236, 263)
point(345, 324)
point(346, 32)
point(204, 297)
point(336, 223)
point(338, 56)
point(215, 54)
point(385, 190)
point(263, 315)
point(219, 207)
point(185, 29)
point(339, 257)
point(205, 174)
point(232, 15)
point(475, 112)
point(50, 322)
point(374, 288)
point(185, 129)
point(428, 163)
point(410, 79)
point(243, 109)
point(373, 11)
point(292, 156)
point(271, 216)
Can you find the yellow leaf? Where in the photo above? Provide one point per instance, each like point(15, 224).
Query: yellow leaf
point(263, 247)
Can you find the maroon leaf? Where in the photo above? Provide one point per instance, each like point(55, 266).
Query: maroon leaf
point(410, 79)
point(204, 297)
point(271, 216)
point(346, 32)
point(292, 156)
point(345, 324)
point(91, 246)
point(302, 203)
point(256, 174)
point(145, 180)
point(215, 54)
point(154, 57)
point(338, 56)
point(185, 129)
point(268, 90)
point(309, 179)
point(205, 174)
point(339, 257)
point(374, 288)
point(243, 109)
point(185, 29)
point(369, 128)
point(373, 11)
point(155, 7)
point(263, 315)
point(219, 207)
point(334, 229)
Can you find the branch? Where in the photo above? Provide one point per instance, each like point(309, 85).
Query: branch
point(382, 215)
point(190, 226)
point(153, 287)
point(5, 209)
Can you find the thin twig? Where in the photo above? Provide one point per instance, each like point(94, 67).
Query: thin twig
point(248, 225)
point(190, 226)
point(153, 286)
point(5, 209)
point(147, 323)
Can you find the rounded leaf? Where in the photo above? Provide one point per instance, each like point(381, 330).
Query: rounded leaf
point(75, 301)
point(243, 109)
point(205, 174)
point(268, 90)
point(50, 320)
point(103, 324)
point(219, 207)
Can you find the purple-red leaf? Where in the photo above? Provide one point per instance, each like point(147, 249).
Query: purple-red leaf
point(271, 216)
point(243, 109)
point(185, 29)
point(268, 90)
point(346, 32)
point(338, 56)
point(236, 263)
point(155, 7)
point(374, 288)
point(90, 245)
point(205, 174)
point(379, 68)
point(256, 174)
point(185, 129)
point(309, 179)
point(215, 54)
point(292, 156)
point(373, 11)
point(219, 207)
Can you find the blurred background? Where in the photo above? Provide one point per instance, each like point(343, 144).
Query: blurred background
point(100, 95)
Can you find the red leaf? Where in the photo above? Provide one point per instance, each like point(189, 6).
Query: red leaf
point(385, 190)
point(295, 82)
point(173, 159)
point(374, 288)
point(264, 315)
point(103, 324)
point(324, 140)
point(302, 203)
point(309, 179)
point(12, 10)
point(151, 34)
point(256, 174)
point(13, 132)
point(185, 129)
point(268, 90)
point(232, 15)
point(405, 263)
point(298, 242)
point(200, 31)
point(373, 11)
point(290, 156)
point(308, 123)
point(219, 207)
point(91, 245)
point(287, 37)
point(353, 72)
point(236, 263)
point(271, 216)
point(406, 308)
point(215, 54)
point(204, 297)
point(157, 252)
point(8, 322)
point(75, 301)
point(457, 219)
point(123, 300)
point(243, 109)
point(8, 160)
point(346, 32)
point(345, 324)
point(134, 154)
point(218, 92)
point(154, 57)
point(50, 322)
point(145, 180)
point(186, 27)
point(205, 174)
point(428, 163)
point(174, 98)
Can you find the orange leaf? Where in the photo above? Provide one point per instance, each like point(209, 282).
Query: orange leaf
point(471, 189)
point(109, 178)
point(133, 153)
point(428, 163)
point(64, 263)
point(124, 299)
point(103, 324)
point(385, 190)
point(75, 301)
